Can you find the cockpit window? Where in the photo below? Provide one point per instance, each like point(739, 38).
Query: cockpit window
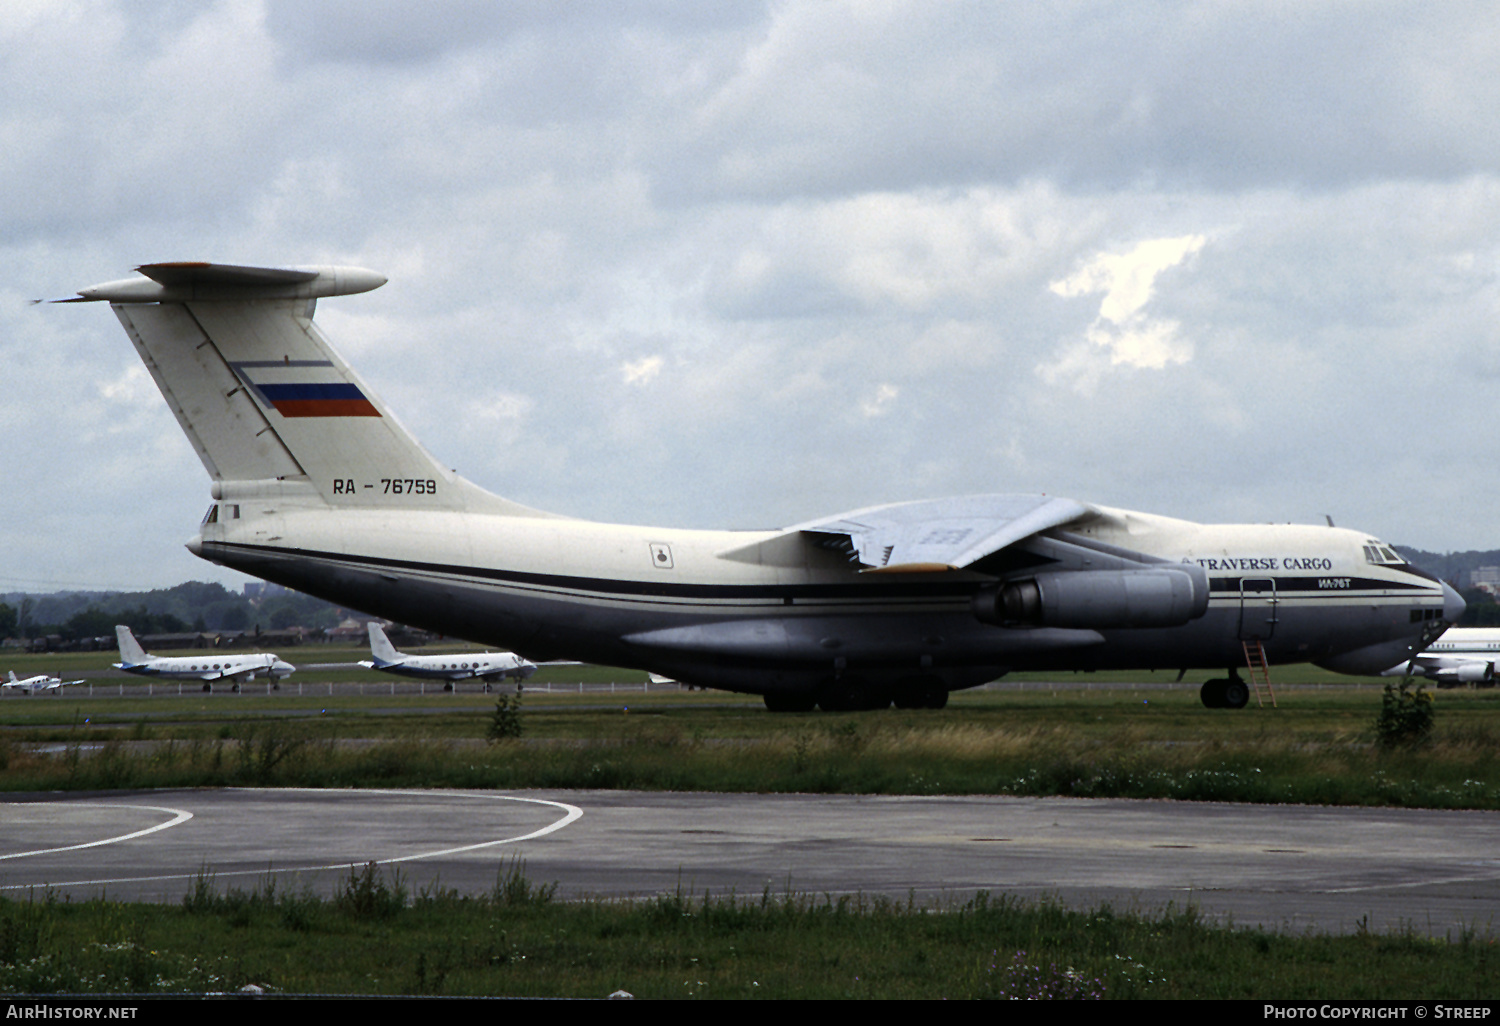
point(1381, 554)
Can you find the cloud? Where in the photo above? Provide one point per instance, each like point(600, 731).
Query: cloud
point(642, 371)
point(1128, 279)
point(787, 210)
point(880, 403)
point(1128, 282)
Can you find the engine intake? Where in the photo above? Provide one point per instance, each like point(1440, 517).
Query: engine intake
point(1098, 599)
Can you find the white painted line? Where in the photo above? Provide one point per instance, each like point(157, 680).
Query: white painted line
point(180, 816)
point(571, 814)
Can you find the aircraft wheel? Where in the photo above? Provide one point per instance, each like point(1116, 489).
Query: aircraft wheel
point(1212, 694)
point(1235, 694)
point(208, 688)
point(920, 693)
point(235, 688)
point(448, 685)
point(790, 703)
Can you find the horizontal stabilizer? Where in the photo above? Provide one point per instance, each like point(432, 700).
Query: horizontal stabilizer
point(194, 281)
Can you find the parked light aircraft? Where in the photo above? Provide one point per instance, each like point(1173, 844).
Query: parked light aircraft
point(41, 682)
point(236, 667)
point(317, 486)
point(487, 666)
point(1463, 655)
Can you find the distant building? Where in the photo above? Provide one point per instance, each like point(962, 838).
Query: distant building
point(1485, 578)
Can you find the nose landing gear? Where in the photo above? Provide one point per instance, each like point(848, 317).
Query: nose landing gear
point(1226, 692)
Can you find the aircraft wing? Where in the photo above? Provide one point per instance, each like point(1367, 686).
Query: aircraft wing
point(934, 534)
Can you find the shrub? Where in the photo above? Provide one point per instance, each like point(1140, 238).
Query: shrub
point(1405, 715)
point(506, 721)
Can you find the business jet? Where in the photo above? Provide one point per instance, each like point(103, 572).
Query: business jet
point(318, 487)
point(486, 666)
point(238, 667)
point(41, 682)
point(1463, 655)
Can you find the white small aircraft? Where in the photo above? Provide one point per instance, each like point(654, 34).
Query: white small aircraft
point(41, 682)
point(487, 666)
point(239, 667)
point(317, 486)
point(1463, 655)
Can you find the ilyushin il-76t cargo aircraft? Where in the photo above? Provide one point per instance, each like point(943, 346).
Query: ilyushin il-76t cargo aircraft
point(318, 487)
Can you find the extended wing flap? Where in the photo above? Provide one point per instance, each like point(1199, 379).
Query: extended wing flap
point(932, 534)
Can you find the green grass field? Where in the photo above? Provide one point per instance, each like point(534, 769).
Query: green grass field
point(377, 937)
point(1072, 734)
point(1087, 735)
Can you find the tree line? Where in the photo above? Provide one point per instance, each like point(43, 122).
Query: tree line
point(192, 607)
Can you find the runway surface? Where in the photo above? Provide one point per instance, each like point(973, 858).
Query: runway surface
point(1285, 867)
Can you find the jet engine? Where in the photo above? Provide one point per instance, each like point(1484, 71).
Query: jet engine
point(1167, 596)
point(1474, 673)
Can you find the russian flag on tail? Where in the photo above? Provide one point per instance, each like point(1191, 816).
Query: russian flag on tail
point(313, 400)
point(299, 397)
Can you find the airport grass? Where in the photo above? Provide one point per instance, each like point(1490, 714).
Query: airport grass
point(378, 935)
point(1318, 747)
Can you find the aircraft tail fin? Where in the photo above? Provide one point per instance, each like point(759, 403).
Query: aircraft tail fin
point(381, 647)
point(131, 652)
point(269, 406)
point(12, 676)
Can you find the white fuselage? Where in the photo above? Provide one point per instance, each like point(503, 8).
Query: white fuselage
point(688, 604)
point(211, 667)
point(459, 666)
point(1463, 655)
point(40, 682)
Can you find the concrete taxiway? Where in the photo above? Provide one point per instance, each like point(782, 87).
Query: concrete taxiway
point(1285, 867)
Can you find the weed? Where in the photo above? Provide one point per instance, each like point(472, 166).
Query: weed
point(366, 894)
point(1021, 981)
point(202, 897)
point(505, 722)
point(800, 743)
point(1406, 716)
point(513, 889)
point(424, 981)
point(261, 752)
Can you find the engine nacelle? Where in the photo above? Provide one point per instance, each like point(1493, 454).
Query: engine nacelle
point(1168, 596)
point(1476, 673)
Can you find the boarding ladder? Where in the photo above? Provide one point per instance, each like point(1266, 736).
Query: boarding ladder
point(1260, 671)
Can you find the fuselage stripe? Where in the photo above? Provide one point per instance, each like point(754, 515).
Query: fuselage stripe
point(869, 592)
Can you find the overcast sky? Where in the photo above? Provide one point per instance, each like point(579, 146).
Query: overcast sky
point(742, 265)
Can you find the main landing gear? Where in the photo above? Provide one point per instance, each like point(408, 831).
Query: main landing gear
point(790, 703)
point(1226, 693)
